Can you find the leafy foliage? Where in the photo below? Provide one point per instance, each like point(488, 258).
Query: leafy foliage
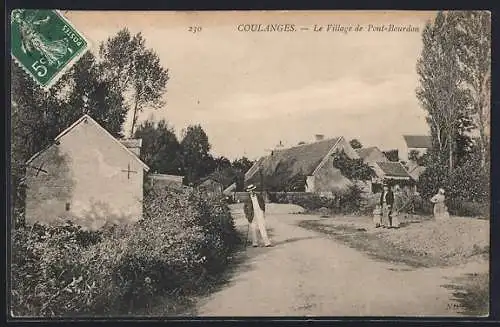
point(454, 82)
point(195, 153)
point(346, 203)
point(392, 155)
point(243, 164)
point(353, 169)
point(467, 183)
point(355, 144)
point(183, 242)
point(454, 70)
point(137, 71)
point(474, 33)
point(160, 150)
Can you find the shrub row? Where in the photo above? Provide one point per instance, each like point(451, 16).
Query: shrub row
point(180, 245)
point(346, 203)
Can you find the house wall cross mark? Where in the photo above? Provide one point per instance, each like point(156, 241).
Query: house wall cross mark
point(39, 169)
point(128, 171)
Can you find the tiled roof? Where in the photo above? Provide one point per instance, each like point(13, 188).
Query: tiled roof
point(418, 141)
point(394, 169)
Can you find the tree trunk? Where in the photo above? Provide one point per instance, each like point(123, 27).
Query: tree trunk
point(134, 117)
point(484, 107)
point(450, 154)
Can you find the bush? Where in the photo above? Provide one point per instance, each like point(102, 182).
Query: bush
point(47, 277)
point(468, 182)
point(180, 246)
point(347, 203)
point(464, 208)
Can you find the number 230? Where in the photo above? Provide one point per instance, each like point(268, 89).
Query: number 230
point(194, 29)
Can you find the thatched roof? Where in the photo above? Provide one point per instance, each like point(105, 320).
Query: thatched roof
point(365, 152)
point(288, 164)
point(371, 154)
point(418, 141)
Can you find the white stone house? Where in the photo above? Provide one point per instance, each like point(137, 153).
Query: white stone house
point(419, 143)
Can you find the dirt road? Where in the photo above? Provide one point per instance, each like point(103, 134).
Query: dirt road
point(308, 274)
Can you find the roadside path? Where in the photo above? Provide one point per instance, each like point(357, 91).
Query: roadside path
point(307, 273)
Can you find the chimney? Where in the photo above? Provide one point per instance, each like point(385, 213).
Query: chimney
point(133, 145)
point(319, 137)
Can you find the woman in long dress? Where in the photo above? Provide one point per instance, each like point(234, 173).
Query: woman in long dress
point(440, 210)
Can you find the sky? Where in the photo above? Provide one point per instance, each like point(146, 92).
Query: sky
point(251, 90)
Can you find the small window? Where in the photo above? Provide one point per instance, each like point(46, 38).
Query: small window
point(67, 206)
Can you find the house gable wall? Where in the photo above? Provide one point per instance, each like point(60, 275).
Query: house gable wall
point(327, 178)
point(86, 181)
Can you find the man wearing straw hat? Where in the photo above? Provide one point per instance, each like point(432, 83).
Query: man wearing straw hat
point(386, 203)
point(255, 209)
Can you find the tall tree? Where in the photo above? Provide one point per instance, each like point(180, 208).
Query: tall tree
point(474, 52)
point(86, 90)
point(161, 150)
point(137, 70)
point(440, 91)
point(195, 153)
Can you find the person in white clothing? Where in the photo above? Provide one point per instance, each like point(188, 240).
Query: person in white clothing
point(255, 209)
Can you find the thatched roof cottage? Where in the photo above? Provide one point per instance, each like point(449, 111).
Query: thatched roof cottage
point(306, 167)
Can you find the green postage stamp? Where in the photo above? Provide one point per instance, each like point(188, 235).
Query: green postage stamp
point(45, 44)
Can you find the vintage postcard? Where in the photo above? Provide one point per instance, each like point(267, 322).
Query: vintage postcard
point(239, 164)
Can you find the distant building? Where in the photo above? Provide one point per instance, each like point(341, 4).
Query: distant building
point(86, 176)
point(308, 167)
point(210, 186)
point(163, 180)
point(392, 172)
point(371, 155)
point(415, 170)
point(217, 183)
point(385, 170)
point(419, 143)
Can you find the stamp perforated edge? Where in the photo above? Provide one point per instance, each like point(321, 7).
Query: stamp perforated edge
point(68, 66)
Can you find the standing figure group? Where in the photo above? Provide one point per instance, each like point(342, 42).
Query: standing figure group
point(385, 214)
point(390, 203)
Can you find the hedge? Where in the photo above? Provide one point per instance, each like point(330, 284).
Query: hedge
point(346, 203)
point(179, 247)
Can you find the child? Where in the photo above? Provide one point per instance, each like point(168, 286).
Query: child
point(377, 216)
